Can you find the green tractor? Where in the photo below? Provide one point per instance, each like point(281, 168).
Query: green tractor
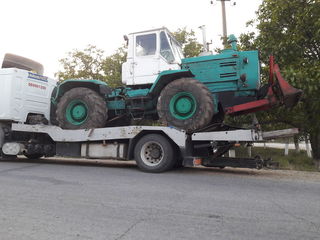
point(186, 93)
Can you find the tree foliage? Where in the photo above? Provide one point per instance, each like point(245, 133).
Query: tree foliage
point(91, 63)
point(82, 64)
point(111, 67)
point(290, 30)
point(190, 46)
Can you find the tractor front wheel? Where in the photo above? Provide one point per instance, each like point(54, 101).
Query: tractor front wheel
point(186, 104)
point(81, 108)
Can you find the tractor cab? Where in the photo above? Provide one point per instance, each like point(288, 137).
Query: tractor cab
point(149, 53)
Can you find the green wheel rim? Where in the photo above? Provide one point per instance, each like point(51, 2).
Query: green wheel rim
point(77, 112)
point(183, 105)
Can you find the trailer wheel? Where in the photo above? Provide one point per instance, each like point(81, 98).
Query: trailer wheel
point(81, 108)
point(154, 153)
point(186, 104)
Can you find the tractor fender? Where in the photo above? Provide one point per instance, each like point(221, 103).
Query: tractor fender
point(96, 85)
point(165, 78)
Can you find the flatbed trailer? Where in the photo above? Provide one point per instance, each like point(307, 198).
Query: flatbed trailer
point(154, 148)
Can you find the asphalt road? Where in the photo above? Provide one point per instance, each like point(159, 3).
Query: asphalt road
point(54, 200)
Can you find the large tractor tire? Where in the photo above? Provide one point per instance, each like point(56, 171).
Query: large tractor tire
point(81, 108)
point(186, 104)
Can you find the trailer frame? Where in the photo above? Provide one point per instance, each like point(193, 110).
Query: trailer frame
point(121, 143)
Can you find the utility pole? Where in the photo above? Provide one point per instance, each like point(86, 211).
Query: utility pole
point(204, 39)
point(224, 21)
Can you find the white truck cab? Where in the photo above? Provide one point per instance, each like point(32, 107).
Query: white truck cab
point(149, 53)
point(25, 92)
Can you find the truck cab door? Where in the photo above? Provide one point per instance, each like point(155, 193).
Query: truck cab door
point(145, 62)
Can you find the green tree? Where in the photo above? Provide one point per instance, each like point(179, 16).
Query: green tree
point(190, 46)
point(290, 30)
point(82, 64)
point(111, 67)
point(91, 63)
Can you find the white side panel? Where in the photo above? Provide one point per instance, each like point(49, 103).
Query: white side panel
point(164, 65)
point(127, 67)
point(97, 134)
point(127, 72)
point(110, 150)
point(246, 135)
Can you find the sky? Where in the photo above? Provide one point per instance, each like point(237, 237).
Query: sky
point(45, 30)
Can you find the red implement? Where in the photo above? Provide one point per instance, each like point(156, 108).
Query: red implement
point(280, 92)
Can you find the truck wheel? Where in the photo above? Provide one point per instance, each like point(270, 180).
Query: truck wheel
point(154, 153)
point(81, 108)
point(186, 104)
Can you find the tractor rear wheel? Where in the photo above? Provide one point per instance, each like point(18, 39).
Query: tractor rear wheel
point(186, 104)
point(81, 108)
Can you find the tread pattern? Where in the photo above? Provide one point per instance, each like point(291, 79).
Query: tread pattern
point(205, 104)
point(97, 108)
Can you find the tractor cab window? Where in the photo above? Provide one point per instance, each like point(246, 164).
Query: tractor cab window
point(146, 45)
point(177, 50)
point(165, 49)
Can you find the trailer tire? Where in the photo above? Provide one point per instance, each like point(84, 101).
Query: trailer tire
point(81, 108)
point(187, 104)
point(154, 153)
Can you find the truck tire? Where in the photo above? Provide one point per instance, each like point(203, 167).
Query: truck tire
point(154, 153)
point(81, 108)
point(186, 104)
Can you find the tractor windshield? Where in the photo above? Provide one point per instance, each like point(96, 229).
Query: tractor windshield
point(177, 50)
point(165, 49)
point(173, 54)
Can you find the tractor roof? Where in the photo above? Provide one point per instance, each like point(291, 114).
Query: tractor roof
point(152, 30)
point(158, 29)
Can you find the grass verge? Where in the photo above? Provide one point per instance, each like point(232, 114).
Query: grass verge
point(294, 161)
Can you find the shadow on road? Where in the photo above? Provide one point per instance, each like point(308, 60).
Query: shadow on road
point(132, 165)
point(74, 161)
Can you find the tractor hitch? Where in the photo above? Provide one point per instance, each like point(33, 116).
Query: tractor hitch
point(279, 93)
